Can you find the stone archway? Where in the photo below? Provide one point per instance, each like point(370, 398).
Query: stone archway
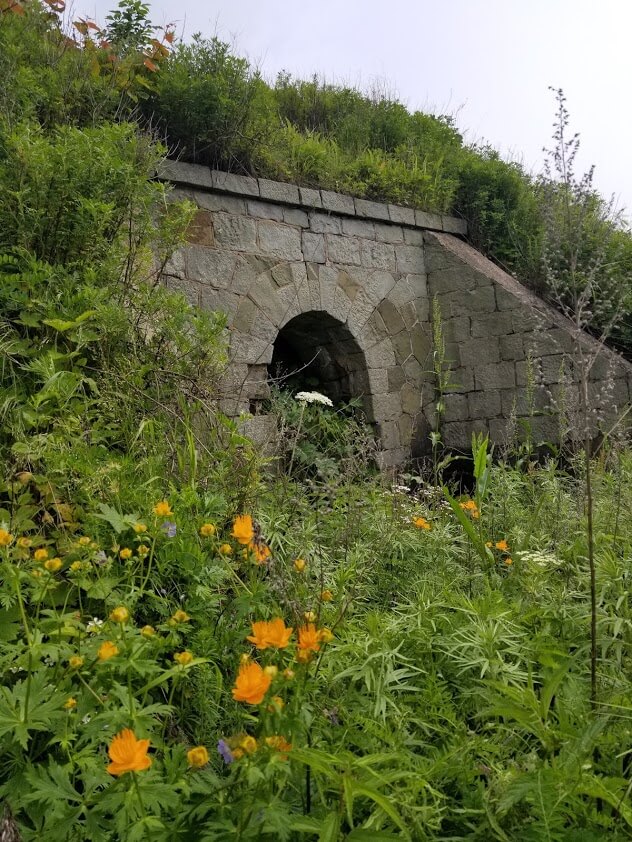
point(318, 350)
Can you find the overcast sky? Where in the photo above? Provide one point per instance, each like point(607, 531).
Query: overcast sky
point(487, 62)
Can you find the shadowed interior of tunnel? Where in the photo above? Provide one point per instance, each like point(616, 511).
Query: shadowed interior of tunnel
point(314, 351)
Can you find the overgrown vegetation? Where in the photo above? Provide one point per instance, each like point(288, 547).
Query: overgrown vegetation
point(197, 645)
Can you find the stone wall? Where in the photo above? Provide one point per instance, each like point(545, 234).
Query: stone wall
point(345, 286)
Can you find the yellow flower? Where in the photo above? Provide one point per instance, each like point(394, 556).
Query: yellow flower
point(53, 565)
point(197, 757)
point(308, 638)
point(36, 574)
point(5, 538)
point(243, 530)
point(140, 527)
point(76, 566)
point(84, 541)
point(183, 658)
point(489, 545)
point(508, 561)
point(271, 670)
point(142, 549)
point(326, 635)
point(249, 745)
point(128, 754)
point(180, 616)
point(471, 507)
point(270, 634)
point(288, 674)
point(24, 542)
point(310, 616)
point(163, 509)
point(238, 753)
point(261, 552)
point(421, 523)
point(119, 615)
point(279, 743)
point(326, 595)
point(107, 650)
point(277, 704)
point(251, 685)
point(75, 662)
point(126, 553)
point(70, 703)
point(207, 529)
point(148, 631)
point(244, 658)
point(24, 477)
point(299, 564)
point(503, 546)
point(225, 549)
point(41, 554)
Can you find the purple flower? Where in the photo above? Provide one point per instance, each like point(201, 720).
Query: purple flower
point(225, 752)
point(169, 528)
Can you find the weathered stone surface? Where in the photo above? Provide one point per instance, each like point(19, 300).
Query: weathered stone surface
point(313, 246)
point(401, 215)
point(183, 173)
point(279, 240)
point(493, 324)
point(371, 210)
point(476, 352)
point(220, 202)
point(231, 183)
point(452, 225)
point(265, 210)
point(484, 404)
point(278, 192)
point(410, 259)
point(323, 223)
point(467, 302)
point(389, 233)
point(393, 320)
point(310, 198)
point(190, 289)
point(428, 220)
point(337, 202)
point(344, 250)
point(237, 233)
point(495, 376)
point(294, 216)
point(358, 228)
point(209, 266)
point(512, 347)
point(413, 236)
point(377, 255)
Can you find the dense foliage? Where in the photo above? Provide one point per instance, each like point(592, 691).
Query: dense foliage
point(199, 645)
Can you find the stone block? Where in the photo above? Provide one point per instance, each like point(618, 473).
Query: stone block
point(278, 191)
point(265, 210)
point(386, 407)
point(377, 255)
point(410, 394)
point(551, 369)
point(455, 279)
point(421, 343)
point(294, 216)
point(221, 202)
point(461, 380)
point(371, 210)
point(405, 425)
point(457, 329)
point(484, 404)
point(310, 198)
point(221, 301)
point(401, 215)
point(231, 183)
point(180, 172)
point(345, 250)
point(527, 319)
point(337, 202)
point(358, 228)
point(411, 314)
point(396, 378)
point(323, 223)
point(410, 259)
point(381, 355)
point(281, 274)
point(414, 370)
point(519, 402)
point(388, 233)
point(479, 352)
point(428, 220)
point(391, 316)
point(327, 279)
point(457, 435)
point(348, 285)
point(245, 315)
point(512, 347)
point(452, 225)
point(377, 284)
point(456, 408)
point(246, 348)
point(402, 346)
point(313, 247)
point(236, 233)
point(176, 265)
point(506, 300)
point(279, 240)
point(190, 289)
point(248, 267)
point(388, 432)
point(209, 266)
point(546, 342)
point(467, 302)
point(495, 376)
point(264, 294)
point(492, 324)
point(414, 236)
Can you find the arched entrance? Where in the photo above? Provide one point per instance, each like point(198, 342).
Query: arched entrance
point(316, 351)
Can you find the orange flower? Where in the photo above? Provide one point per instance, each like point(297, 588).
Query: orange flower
point(5, 538)
point(270, 634)
point(128, 754)
point(197, 757)
point(262, 552)
point(163, 509)
point(421, 523)
point(243, 529)
point(278, 742)
point(503, 546)
point(309, 638)
point(107, 650)
point(508, 561)
point(251, 685)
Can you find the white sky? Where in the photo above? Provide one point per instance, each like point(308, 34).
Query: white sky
point(487, 62)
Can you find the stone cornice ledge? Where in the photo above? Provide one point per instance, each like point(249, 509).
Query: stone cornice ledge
point(203, 178)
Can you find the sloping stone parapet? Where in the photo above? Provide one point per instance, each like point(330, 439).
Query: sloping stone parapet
point(512, 355)
point(314, 275)
point(197, 175)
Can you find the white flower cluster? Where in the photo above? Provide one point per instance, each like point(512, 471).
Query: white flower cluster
point(313, 397)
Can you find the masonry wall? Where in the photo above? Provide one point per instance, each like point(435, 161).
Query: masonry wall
point(356, 279)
